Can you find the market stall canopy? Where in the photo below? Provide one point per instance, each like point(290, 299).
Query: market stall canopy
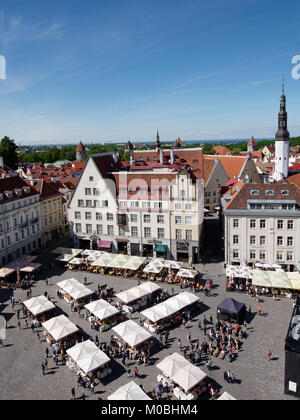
point(134, 263)
point(238, 271)
point(279, 280)
point(294, 279)
point(21, 262)
point(129, 392)
point(155, 266)
point(261, 278)
point(60, 327)
point(117, 261)
point(31, 268)
point(5, 272)
point(172, 364)
point(188, 377)
point(101, 309)
point(172, 265)
point(104, 260)
point(138, 292)
point(92, 255)
point(76, 261)
point(75, 289)
point(69, 251)
point(39, 305)
point(170, 306)
point(231, 306)
point(132, 333)
point(184, 272)
point(87, 356)
point(226, 397)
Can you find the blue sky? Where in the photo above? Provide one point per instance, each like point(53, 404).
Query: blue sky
point(115, 70)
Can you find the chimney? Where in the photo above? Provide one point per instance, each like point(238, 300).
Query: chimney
point(172, 156)
point(161, 152)
point(1, 162)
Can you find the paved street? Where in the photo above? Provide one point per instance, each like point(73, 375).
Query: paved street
point(20, 361)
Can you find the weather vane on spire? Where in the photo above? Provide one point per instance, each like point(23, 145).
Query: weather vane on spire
point(283, 84)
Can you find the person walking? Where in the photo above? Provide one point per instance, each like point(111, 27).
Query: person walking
point(47, 352)
point(73, 393)
point(135, 372)
point(19, 324)
point(269, 355)
point(43, 368)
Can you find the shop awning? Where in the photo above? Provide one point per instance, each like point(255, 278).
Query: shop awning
point(161, 248)
point(105, 244)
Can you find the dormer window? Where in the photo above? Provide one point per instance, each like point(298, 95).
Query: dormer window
point(9, 194)
point(269, 193)
point(285, 192)
point(254, 192)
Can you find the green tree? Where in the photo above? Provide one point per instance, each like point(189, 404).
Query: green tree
point(8, 150)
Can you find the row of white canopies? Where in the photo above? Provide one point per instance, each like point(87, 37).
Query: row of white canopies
point(276, 279)
point(265, 275)
point(25, 264)
point(170, 307)
point(74, 289)
point(138, 292)
point(156, 265)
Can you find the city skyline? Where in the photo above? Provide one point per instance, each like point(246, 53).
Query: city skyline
point(202, 71)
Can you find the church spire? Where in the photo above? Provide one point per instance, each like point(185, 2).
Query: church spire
point(282, 133)
point(282, 143)
point(158, 143)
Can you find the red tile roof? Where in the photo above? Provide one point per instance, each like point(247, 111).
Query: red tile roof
point(222, 150)
point(232, 165)
point(80, 147)
point(12, 184)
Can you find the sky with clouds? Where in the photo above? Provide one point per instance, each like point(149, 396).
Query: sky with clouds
point(115, 70)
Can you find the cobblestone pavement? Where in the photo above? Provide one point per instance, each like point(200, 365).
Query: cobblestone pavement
point(20, 360)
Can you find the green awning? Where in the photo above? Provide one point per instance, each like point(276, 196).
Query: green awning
point(161, 248)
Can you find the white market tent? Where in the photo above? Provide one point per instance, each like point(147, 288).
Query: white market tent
point(138, 292)
point(155, 266)
point(76, 261)
point(70, 251)
point(188, 377)
point(279, 280)
point(173, 265)
point(87, 356)
point(31, 267)
point(134, 263)
point(170, 307)
point(294, 279)
point(184, 272)
point(104, 260)
point(129, 392)
point(60, 327)
point(92, 255)
point(39, 305)
point(101, 309)
point(132, 333)
point(75, 289)
point(172, 364)
point(261, 278)
point(226, 397)
point(5, 272)
point(235, 271)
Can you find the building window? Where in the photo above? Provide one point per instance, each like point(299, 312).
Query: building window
point(279, 240)
point(160, 233)
point(160, 219)
point(189, 235)
point(290, 241)
point(252, 223)
point(98, 216)
point(289, 256)
point(88, 216)
point(290, 224)
point(262, 224)
point(80, 204)
point(88, 203)
point(178, 234)
point(262, 255)
point(96, 191)
point(252, 255)
point(188, 207)
point(104, 203)
point(147, 232)
point(99, 229)
point(236, 253)
point(252, 240)
point(78, 227)
point(147, 218)
point(178, 207)
point(91, 178)
point(110, 230)
point(235, 223)
point(110, 217)
point(89, 229)
point(280, 224)
point(235, 239)
point(77, 215)
point(279, 256)
point(134, 218)
point(88, 191)
point(262, 240)
point(134, 231)
point(178, 220)
point(188, 220)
